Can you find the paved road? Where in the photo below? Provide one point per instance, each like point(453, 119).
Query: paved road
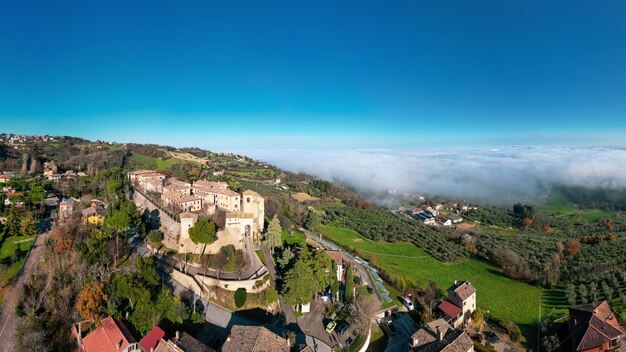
point(362, 270)
point(7, 316)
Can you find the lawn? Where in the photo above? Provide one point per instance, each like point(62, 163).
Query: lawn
point(8, 250)
point(293, 238)
point(502, 297)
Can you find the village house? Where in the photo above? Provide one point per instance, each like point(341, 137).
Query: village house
point(66, 208)
point(151, 182)
point(14, 197)
point(438, 335)
point(594, 328)
point(427, 208)
point(461, 303)
point(183, 342)
point(177, 186)
point(94, 215)
point(442, 220)
point(181, 202)
point(254, 339)
point(5, 178)
point(132, 176)
point(455, 218)
point(111, 336)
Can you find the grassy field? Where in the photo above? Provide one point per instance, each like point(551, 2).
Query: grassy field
point(149, 162)
point(504, 298)
point(17, 246)
point(293, 238)
point(559, 205)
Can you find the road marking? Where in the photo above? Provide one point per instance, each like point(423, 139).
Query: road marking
point(4, 326)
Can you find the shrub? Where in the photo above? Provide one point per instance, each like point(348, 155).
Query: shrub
point(155, 236)
point(514, 331)
point(240, 297)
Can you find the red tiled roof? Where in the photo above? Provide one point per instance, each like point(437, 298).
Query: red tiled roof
point(151, 340)
point(107, 337)
point(450, 309)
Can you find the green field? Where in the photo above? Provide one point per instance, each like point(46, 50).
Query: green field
point(559, 205)
point(502, 297)
point(148, 162)
point(293, 238)
point(8, 250)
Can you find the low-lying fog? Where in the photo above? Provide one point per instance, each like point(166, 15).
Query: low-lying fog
point(494, 175)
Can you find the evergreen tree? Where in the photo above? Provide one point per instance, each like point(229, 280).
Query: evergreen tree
point(274, 234)
point(349, 295)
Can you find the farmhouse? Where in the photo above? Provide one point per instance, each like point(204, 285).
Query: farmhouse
point(442, 220)
point(94, 215)
point(455, 218)
point(461, 303)
point(66, 208)
point(438, 335)
point(594, 328)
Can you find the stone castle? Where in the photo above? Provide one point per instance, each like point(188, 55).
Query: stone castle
point(244, 213)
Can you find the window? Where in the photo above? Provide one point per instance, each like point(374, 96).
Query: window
point(248, 200)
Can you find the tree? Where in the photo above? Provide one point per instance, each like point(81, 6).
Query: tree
point(285, 259)
point(514, 331)
point(117, 223)
point(478, 318)
point(12, 225)
point(361, 313)
point(27, 226)
point(274, 234)
point(310, 219)
point(570, 293)
point(240, 297)
point(572, 247)
point(349, 295)
point(583, 293)
point(593, 292)
point(299, 284)
point(203, 231)
point(90, 301)
point(155, 236)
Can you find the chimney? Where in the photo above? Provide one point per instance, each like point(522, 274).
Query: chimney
point(439, 334)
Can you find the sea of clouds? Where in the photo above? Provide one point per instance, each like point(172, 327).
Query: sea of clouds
point(494, 175)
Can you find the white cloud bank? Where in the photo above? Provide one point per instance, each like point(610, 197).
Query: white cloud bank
point(502, 175)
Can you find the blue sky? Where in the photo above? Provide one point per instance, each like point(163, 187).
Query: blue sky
point(312, 74)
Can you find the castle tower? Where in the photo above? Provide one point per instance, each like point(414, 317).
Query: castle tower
point(186, 221)
point(253, 203)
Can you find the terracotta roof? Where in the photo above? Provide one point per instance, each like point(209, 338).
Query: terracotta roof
point(188, 215)
point(107, 337)
point(254, 339)
point(209, 186)
point(450, 309)
point(593, 326)
point(177, 197)
point(167, 346)
point(152, 338)
point(153, 174)
point(189, 343)
point(251, 193)
point(463, 289)
point(452, 341)
point(336, 255)
point(227, 192)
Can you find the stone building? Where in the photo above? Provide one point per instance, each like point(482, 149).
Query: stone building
point(181, 202)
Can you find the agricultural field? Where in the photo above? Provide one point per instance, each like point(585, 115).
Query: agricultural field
point(504, 298)
point(148, 162)
point(557, 204)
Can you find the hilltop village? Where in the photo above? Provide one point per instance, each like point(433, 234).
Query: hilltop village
point(184, 203)
point(151, 248)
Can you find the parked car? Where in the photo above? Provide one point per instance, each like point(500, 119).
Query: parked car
point(343, 328)
point(330, 327)
point(408, 302)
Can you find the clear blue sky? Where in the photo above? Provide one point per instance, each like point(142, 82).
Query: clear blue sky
point(231, 74)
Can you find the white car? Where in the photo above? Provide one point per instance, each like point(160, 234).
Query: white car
point(407, 303)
